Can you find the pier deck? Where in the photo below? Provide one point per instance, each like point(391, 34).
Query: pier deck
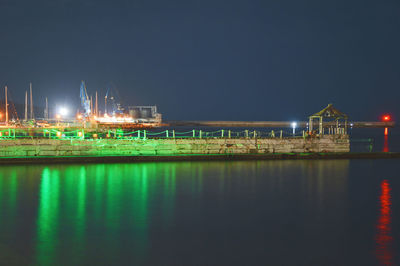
point(275, 124)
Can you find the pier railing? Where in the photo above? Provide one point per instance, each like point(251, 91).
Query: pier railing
point(15, 133)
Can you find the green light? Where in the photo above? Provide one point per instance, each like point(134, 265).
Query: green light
point(47, 223)
point(99, 191)
point(81, 217)
point(169, 191)
point(13, 189)
point(113, 204)
point(140, 206)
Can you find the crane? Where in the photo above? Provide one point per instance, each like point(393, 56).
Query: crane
point(114, 106)
point(85, 102)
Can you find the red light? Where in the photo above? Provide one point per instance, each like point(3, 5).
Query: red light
point(384, 237)
point(385, 144)
point(386, 118)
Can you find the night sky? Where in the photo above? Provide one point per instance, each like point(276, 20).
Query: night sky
point(207, 60)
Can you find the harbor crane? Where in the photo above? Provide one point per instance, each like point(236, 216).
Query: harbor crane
point(111, 101)
point(85, 102)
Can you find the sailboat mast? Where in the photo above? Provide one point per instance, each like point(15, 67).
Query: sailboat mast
point(97, 107)
point(91, 104)
point(26, 105)
point(30, 88)
point(105, 105)
point(6, 106)
point(47, 111)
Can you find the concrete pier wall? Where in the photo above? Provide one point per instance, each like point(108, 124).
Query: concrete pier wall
point(137, 147)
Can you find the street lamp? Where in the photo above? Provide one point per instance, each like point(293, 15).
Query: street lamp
point(61, 114)
point(294, 125)
point(63, 111)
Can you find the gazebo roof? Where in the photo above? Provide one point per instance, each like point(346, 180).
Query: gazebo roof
point(330, 112)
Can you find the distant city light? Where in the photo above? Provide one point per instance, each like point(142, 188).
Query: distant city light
point(63, 111)
point(114, 119)
point(294, 125)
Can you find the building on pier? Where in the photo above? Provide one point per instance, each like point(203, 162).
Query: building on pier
point(329, 114)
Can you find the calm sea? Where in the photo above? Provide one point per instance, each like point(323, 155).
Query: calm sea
point(292, 212)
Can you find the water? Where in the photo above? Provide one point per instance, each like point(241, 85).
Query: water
point(366, 140)
point(293, 212)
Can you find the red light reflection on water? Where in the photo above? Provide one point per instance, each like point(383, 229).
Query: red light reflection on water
point(384, 237)
point(385, 144)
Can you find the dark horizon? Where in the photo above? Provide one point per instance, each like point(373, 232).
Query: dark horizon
point(208, 60)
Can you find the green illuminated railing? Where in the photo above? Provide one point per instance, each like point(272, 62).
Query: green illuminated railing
point(80, 134)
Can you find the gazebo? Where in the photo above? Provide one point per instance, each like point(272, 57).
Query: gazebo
point(331, 114)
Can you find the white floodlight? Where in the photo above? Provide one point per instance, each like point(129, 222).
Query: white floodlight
point(63, 111)
point(294, 125)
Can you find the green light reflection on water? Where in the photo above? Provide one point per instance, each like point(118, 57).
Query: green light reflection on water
point(13, 191)
point(47, 223)
point(169, 194)
point(98, 212)
point(113, 199)
point(140, 208)
point(81, 217)
point(9, 199)
point(85, 210)
point(98, 191)
point(73, 220)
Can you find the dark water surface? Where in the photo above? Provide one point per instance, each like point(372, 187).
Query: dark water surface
point(366, 140)
point(300, 212)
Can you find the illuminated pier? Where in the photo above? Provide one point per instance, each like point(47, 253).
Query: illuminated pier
point(326, 132)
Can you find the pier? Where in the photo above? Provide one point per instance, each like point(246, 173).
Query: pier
point(328, 117)
point(326, 132)
point(77, 145)
point(275, 124)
